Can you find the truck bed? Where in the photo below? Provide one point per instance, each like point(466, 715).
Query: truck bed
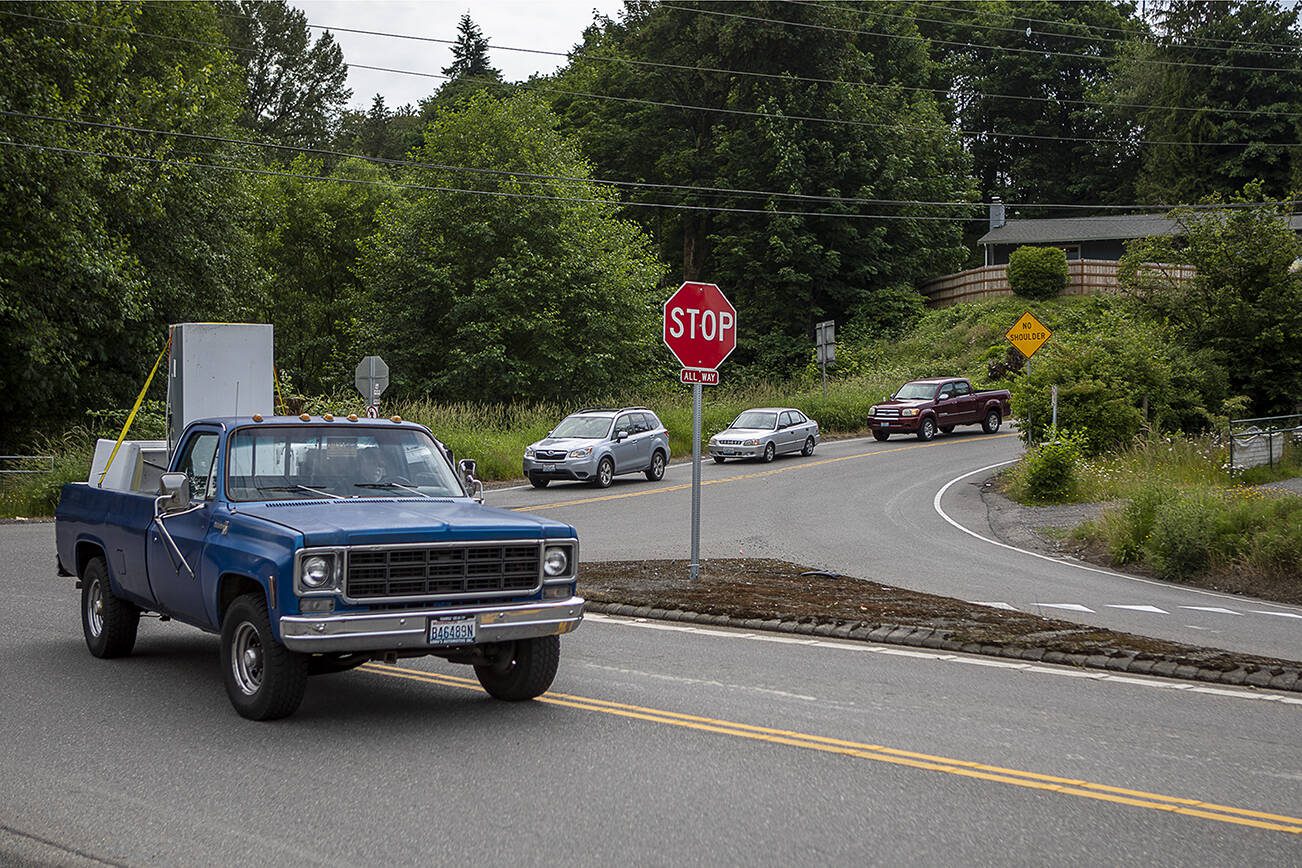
point(114, 521)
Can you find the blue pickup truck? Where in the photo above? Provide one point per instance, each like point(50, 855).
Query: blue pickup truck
point(314, 544)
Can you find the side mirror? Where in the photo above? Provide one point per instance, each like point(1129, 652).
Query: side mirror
point(467, 466)
point(621, 435)
point(174, 493)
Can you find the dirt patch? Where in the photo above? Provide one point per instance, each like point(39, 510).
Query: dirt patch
point(1047, 529)
point(778, 592)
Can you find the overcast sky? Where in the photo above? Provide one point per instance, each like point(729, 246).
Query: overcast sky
point(548, 25)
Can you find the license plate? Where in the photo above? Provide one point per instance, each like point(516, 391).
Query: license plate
point(452, 631)
point(548, 468)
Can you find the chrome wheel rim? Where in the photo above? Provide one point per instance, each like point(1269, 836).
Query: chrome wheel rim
point(809, 446)
point(992, 421)
point(658, 466)
point(95, 608)
point(247, 659)
point(606, 473)
point(769, 452)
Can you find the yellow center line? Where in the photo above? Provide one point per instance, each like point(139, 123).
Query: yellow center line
point(895, 756)
point(804, 465)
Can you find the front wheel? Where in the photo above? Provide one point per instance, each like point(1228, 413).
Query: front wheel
point(946, 429)
point(927, 429)
point(718, 459)
point(991, 422)
point(524, 671)
point(109, 623)
point(809, 447)
point(264, 679)
point(881, 436)
point(656, 471)
point(605, 473)
point(770, 452)
point(538, 481)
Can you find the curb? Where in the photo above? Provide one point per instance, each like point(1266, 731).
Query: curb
point(1270, 678)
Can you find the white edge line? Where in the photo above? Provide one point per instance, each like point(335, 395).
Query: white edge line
point(1003, 545)
point(947, 657)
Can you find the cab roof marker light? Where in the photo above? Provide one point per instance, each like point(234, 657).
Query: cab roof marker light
point(306, 418)
point(257, 417)
point(395, 418)
point(352, 417)
point(327, 417)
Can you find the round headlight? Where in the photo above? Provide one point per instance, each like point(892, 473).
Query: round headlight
point(528, 452)
point(316, 571)
point(555, 562)
point(872, 411)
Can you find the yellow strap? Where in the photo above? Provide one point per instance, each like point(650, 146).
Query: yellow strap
point(131, 417)
point(280, 399)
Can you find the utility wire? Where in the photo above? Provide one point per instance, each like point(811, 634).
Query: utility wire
point(649, 64)
point(504, 194)
point(898, 127)
point(1035, 51)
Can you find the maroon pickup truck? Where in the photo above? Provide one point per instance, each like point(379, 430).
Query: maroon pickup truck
point(922, 407)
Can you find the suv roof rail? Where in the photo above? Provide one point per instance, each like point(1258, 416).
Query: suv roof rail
point(612, 409)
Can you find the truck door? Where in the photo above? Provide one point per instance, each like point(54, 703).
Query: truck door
point(946, 407)
point(177, 590)
point(967, 411)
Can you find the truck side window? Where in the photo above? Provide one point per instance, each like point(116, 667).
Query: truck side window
point(961, 389)
point(197, 464)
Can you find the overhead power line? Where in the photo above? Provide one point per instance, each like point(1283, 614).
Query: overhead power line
point(1283, 51)
point(537, 178)
point(1036, 51)
point(898, 127)
point(650, 64)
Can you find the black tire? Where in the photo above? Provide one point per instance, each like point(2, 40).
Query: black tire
point(538, 481)
point(525, 671)
point(656, 471)
point(809, 446)
point(605, 474)
point(108, 622)
point(927, 429)
point(717, 459)
point(329, 664)
point(770, 452)
point(946, 429)
point(990, 424)
point(264, 679)
point(881, 436)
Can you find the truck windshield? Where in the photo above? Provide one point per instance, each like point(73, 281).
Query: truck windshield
point(756, 420)
point(289, 463)
point(916, 392)
point(583, 427)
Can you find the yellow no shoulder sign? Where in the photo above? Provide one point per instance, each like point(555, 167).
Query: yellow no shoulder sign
point(1028, 334)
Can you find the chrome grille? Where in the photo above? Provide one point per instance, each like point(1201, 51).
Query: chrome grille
point(888, 412)
point(729, 442)
point(544, 455)
point(442, 570)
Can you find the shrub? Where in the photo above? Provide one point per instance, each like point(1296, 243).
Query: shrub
point(1050, 474)
point(887, 313)
point(1180, 543)
point(1037, 272)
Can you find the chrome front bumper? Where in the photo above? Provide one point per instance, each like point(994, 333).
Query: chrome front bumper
point(394, 631)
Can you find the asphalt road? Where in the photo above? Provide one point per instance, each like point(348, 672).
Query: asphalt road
point(660, 744)
point(871, 510)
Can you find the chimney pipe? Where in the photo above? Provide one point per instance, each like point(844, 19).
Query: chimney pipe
point(996, 212)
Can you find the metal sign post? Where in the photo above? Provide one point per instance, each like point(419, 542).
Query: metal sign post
point(825, 341)
point(700, 329)
point(371, 379)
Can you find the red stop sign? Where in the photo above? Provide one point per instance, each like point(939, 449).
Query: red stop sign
point(700, 326)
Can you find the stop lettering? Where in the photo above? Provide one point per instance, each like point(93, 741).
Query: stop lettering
point(700, 326)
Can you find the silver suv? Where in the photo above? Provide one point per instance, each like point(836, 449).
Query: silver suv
point(598, 445)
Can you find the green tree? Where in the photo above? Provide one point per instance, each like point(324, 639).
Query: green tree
point(309, 242)
point(1243, 305)
point(505, 297)
point(294, 88)
point(689, 125)
point(1238, 66)
point(379, 131)
point(1043, 70)
point(109, 235)
point(470, 52)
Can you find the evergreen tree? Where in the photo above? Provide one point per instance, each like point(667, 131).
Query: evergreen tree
point(470, 53)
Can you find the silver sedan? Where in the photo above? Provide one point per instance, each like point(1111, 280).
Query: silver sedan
point(764, 433)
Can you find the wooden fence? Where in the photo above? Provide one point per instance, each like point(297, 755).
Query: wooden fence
point(1084, 277)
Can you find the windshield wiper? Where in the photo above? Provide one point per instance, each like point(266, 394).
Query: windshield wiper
point(392, 485)
point(297, 487)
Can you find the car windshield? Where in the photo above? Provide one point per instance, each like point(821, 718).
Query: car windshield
point(752, 419)
point(916, 392)
point(583, 427)
point(293, 462)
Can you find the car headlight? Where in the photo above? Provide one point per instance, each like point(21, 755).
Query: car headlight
point(750, 443)
point(581, 453)
point(318, 571)
point(909, 411)
point(872, 411)
point(556, 561)
point(528, 452)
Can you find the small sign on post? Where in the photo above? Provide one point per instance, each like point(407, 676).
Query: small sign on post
point(1028, 334)
point(371, 379)
point(825, 342)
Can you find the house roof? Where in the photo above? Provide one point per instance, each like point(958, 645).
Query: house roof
point(1062, 229)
